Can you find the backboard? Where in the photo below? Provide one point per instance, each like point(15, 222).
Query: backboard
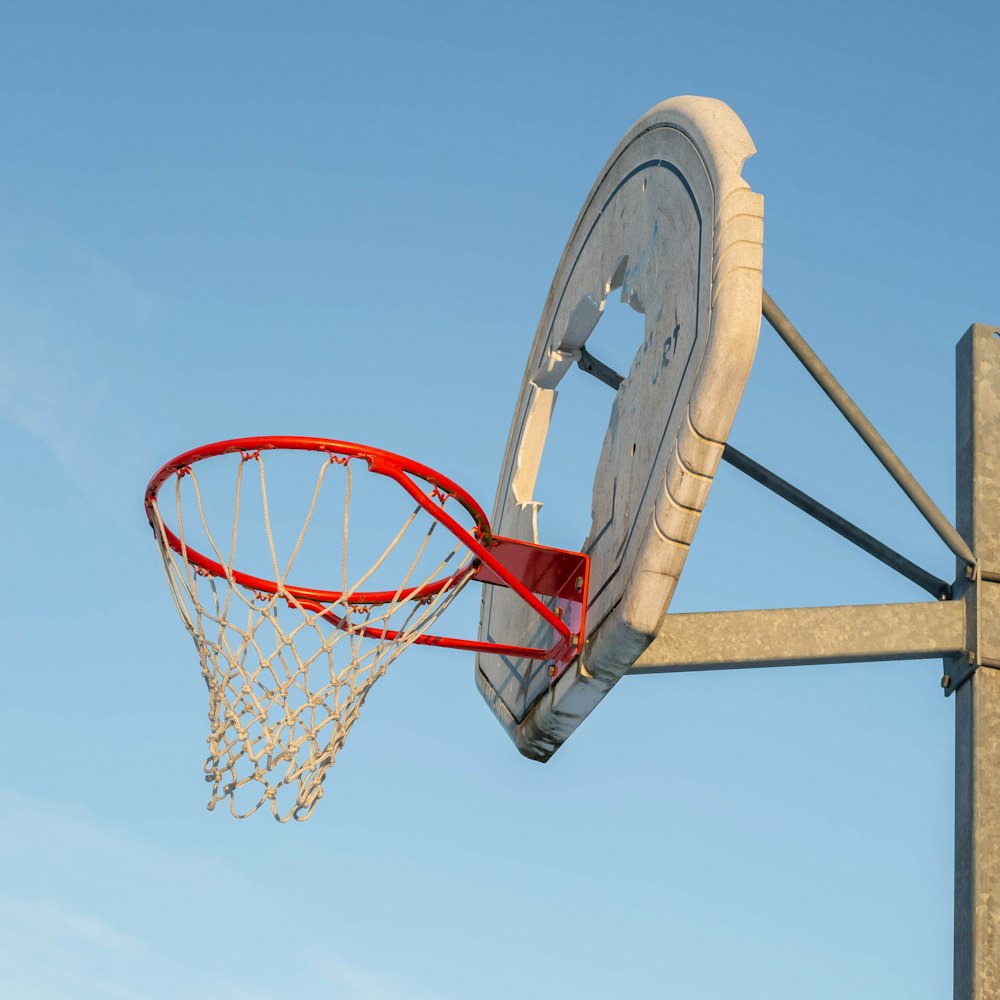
point(671, 223)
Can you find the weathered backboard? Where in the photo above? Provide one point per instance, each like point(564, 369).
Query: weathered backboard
point(673, 225)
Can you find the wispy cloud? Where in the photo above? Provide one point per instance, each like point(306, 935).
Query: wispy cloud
point(40, 919)
point(58, 302)
point(354, 983)
point(91, 911)
point(107, 282)
point(44, 392)
point(47, 950)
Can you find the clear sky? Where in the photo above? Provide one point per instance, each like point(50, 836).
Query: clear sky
point(342, 220)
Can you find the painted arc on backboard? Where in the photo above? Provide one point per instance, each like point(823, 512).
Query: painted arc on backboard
point(672, 227)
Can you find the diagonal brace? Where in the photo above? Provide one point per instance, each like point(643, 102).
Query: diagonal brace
point(830, 519)
point(945, 530)
point(939, 588)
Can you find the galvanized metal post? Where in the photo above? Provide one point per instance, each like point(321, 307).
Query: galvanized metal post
point(977, 680)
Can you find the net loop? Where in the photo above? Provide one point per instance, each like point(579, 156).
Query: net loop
point(288, 669)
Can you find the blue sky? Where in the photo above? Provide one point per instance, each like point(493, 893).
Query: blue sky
point(228, 219)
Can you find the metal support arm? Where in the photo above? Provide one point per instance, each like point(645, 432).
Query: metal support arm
point(722, 640)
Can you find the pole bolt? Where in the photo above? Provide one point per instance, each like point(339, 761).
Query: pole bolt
point(579, 583)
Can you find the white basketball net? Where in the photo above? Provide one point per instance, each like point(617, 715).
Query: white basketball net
point(287, 678)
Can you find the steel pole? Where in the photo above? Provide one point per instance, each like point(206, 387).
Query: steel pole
point(975, 679)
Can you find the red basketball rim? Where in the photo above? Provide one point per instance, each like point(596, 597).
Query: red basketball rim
point(386, 463)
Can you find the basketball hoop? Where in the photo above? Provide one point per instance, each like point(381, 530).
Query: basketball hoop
point(281, 703)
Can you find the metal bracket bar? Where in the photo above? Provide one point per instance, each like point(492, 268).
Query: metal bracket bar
point(588, 363)
point(951, 685)
point(939, 588)
point(945, 530)
point(982, 601)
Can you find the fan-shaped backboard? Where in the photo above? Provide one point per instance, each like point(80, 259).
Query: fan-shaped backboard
point(672, 225)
